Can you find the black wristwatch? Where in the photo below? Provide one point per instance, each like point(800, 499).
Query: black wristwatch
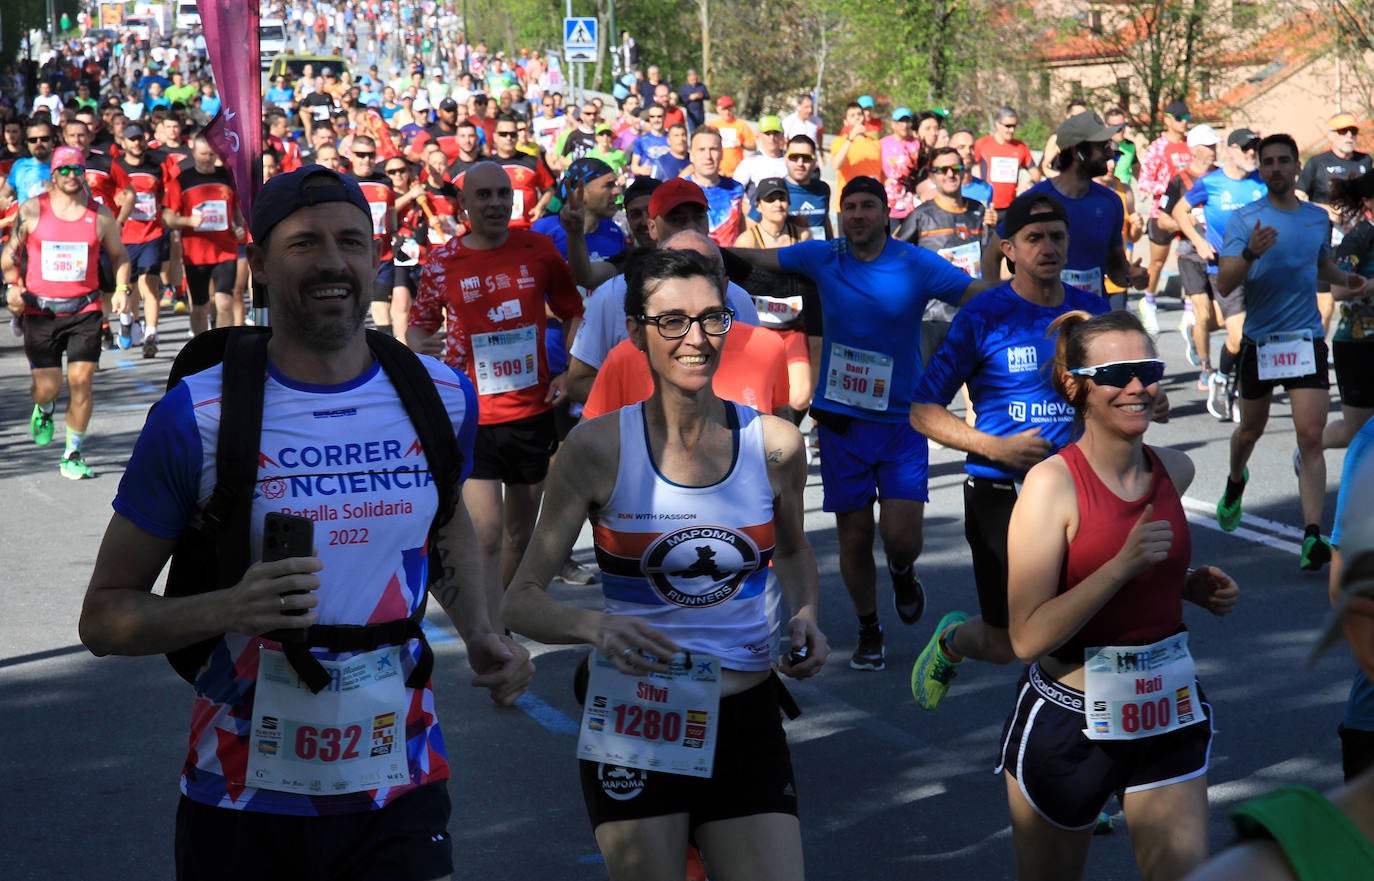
point(1247, 255)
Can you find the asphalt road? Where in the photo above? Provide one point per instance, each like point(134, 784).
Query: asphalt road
point(92, 747)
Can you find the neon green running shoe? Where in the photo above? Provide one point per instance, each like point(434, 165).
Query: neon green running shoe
point(933, 672)
point(40, 427)
point(1316, 553)
point(1228, 516)
point(74, 467)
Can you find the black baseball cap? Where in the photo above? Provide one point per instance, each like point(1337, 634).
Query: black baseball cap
point(1241, 137)
point(1177, 109)
point(864, 184)
point(770, 186)
point(1030, 208)
point(448, 104)
point(643, 186)
point(281, 196)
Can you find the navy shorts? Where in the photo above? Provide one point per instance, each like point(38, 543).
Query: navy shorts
point(384, 282)
point(865, 460)
point(407, 840)
point(1066, 777)
point(752, 772)
point(145, 258)
point(1252, 387)
point(515, 452)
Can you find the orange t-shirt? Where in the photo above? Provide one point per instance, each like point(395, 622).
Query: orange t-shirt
point(752, 372)
point(735, 137)
point(865, 158)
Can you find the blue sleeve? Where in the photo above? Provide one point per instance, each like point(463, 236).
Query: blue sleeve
point(953, 364)
point(806, 258)
point(1356, 458)
point(941, 278)
point(160, 489)
point(1237, 237)
point(1197, 193)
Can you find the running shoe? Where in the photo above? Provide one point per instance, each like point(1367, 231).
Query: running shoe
point(167, 298)
point(1316, 553)
point(1218, 397)
point(869, 654)
point(1185, 330)
point(575, 573)
point(150, 345)
point(125, 338)
point(107, 340)
point(74, 467)
point(908, 597)
point(933, 672)
point(1228, 516)
point(1149, 316)
point(40, 427)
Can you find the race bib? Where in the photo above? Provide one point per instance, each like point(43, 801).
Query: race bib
point(1003, 169)
point(145, 206)
point(517, 208)
point(778, 311)
point(506, 360)
point(657, 722)
point(64, 261)
point(1087, 279)
point(348, 738)
point(378, 210)
point(968, 257)
point(859, 378)
point(1286, 355)
point(729, 137)
point(214, 215)
point(1131, 692)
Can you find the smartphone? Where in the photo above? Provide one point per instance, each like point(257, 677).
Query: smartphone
point(285, 536)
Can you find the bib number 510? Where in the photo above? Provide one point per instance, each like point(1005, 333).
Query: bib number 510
point(327, 744)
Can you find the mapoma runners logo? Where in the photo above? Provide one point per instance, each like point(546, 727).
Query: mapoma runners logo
point(619, 782)
point(700, 566)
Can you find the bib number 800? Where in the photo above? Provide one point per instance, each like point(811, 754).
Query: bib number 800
point(1146, 716)
point(650, 724)
point(327, 744)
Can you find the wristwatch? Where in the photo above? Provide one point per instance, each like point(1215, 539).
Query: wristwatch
point(1247, 255)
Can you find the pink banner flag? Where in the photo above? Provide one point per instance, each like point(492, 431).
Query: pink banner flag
point(231, 38)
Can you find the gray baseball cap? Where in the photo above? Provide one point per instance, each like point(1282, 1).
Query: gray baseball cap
point(1084, 128)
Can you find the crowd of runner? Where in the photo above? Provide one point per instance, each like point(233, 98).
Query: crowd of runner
point(549, 250)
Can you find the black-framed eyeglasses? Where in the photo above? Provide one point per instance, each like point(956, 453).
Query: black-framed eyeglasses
point(1118, 374)
point(947, 169)
point(801, 157)
point(675, 326)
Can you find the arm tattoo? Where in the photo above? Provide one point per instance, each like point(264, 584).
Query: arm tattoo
point(445, 586)
point(775, 456)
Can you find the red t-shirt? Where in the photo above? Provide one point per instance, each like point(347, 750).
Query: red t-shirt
point(213, 194)
point(148, 179)
point(381, 199)
point(494, 302)
point(529, 178)
point(1000, 165)
point(752, 372)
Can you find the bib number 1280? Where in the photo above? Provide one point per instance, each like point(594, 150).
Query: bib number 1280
point(648, 723)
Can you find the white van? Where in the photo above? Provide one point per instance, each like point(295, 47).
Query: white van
point(188, 15)
point(271, 40)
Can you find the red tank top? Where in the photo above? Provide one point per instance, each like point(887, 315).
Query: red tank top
point(1149, 607)
point(64, 254)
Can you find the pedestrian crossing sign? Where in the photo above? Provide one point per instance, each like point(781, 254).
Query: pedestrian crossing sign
point(580, 39)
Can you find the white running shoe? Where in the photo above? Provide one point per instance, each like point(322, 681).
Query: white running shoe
point(1149, 316)
point(1185, 330)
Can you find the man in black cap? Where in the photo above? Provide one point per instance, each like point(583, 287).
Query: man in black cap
point(443, 132)
point(361, 768)
point(873, 292)
point(1097, 249)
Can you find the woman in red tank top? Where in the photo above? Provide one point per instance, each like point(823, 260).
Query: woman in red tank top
point(1098, 553)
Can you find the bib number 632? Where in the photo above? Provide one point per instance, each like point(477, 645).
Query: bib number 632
point(327, 744)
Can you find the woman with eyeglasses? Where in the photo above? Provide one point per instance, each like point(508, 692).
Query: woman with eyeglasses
point(689, 498)
point(1098, 554)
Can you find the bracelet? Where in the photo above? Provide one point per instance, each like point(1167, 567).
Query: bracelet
point(121, 289)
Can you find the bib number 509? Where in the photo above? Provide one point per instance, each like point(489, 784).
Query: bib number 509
point(327, 744)
point(650, 724)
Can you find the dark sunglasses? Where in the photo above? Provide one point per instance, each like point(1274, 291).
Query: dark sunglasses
point(394, 170)
point(501, 134)
point(359, 154)
point(43, 140)
point(801, 157)
point(1350, 130)
point(1118, 374)
point(947, 169)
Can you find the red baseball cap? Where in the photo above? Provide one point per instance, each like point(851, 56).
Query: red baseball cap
point(672, 193)
point(725, 101)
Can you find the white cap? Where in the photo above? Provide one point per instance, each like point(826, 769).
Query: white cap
point(1203, 136)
